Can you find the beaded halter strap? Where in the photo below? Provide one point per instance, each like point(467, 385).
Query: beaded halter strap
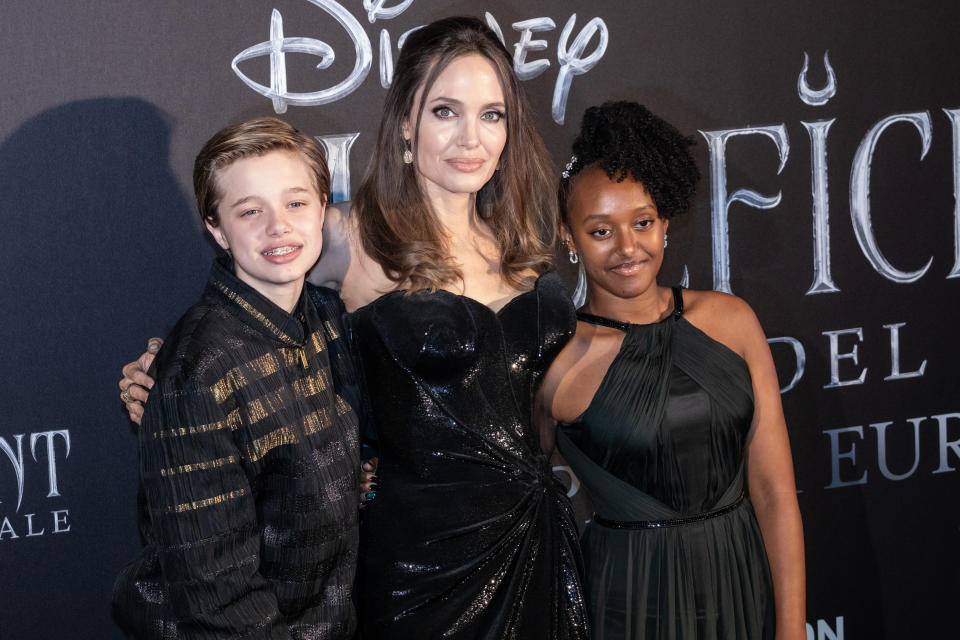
point(623, 326)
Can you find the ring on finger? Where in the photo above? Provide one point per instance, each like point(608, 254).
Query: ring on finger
point(125, 396)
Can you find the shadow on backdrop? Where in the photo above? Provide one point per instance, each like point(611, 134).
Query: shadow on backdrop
point(98, 251)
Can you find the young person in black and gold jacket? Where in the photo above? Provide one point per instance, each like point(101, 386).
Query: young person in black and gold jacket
point(249, 449)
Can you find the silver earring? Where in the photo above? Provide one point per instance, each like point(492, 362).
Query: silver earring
point(664, 241)
point(574, 258)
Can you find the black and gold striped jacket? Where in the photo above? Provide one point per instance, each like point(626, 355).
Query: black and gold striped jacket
point(249, 460)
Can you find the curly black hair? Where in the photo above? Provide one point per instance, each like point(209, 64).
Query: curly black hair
point(626, 140)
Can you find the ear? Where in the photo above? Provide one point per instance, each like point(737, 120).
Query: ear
point(666, 225)
point(405, 129)
point(566, 237)
point(218, 235)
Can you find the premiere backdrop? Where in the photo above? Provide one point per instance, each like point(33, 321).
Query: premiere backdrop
point(828, 136)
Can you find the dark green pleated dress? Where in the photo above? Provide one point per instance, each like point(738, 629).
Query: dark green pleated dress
point(674, 550)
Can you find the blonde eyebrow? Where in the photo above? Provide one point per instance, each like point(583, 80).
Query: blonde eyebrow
point(255, 197)
point(242, 200)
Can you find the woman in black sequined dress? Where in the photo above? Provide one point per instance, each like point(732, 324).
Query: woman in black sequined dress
point(470, 536)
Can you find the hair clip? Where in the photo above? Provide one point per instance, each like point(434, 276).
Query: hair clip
point(569, 168)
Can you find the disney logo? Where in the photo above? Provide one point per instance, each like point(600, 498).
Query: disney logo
point(572, 58)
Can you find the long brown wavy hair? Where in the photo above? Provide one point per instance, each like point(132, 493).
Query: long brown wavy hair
point(398, 228)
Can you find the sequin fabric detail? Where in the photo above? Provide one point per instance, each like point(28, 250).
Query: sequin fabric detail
point(469, 536)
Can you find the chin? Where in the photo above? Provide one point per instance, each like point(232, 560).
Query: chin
point(628, 291)
point(291, 273)
point(467, 183)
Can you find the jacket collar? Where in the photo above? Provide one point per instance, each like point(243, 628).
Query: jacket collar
point(253, 308)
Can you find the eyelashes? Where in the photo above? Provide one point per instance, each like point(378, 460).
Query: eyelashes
point(445, 112)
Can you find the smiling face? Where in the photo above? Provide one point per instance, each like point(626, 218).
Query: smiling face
point(271, 218)
point(617, 232)
point(463, 129)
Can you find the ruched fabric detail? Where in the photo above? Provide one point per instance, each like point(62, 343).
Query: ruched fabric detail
point(470, 536)
point(663, 439)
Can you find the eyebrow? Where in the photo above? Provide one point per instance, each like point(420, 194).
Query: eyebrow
point(245, 199)
point(454, 101)
point(601, 216)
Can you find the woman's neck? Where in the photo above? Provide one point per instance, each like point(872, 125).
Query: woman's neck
point(650, 306)
point(470, 242)
point(457, 212)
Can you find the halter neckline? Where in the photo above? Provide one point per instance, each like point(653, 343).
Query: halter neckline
point(624, 326)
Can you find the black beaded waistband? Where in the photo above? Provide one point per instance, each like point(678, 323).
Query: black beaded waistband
point(675, 522)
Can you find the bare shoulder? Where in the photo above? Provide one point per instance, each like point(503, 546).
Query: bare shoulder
point(724, 317)
point(331, 268)
point(347, 230)
point(717, 304)
point(337, 213)
point(339, 225)
point(363, 279)
point(342, 217)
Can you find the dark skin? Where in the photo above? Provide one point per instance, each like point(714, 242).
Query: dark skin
point(618, 234)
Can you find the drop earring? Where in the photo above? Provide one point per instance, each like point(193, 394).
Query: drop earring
point(574, 258)
point(407, 154)
point(664, 241)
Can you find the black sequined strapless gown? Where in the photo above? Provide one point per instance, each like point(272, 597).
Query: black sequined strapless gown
point(470, 535)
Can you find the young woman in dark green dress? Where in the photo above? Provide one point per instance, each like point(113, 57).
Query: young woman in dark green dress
point(669, 411)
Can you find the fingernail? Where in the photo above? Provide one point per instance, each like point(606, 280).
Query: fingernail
point(370, 495)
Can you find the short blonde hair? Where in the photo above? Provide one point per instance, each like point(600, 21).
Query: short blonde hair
point(252, 138)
